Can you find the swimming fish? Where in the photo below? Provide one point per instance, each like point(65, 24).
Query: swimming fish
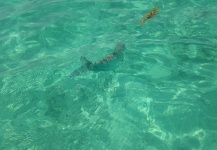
point(108, 63)
point(149, 15)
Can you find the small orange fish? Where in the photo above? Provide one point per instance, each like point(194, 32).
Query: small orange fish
point(150, 15)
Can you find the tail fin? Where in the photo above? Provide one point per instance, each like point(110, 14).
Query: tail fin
point(84, 67)
point(85, 61)
point(79, 71)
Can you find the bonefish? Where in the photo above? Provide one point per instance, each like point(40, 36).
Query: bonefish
point(108, 63)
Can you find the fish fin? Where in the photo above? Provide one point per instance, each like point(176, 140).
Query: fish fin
point(143, 21)
point(85, 61)
point(79, 71)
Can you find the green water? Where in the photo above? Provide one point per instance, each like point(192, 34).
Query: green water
point(162, 96)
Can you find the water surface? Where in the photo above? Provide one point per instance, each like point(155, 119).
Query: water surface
point(162, 96)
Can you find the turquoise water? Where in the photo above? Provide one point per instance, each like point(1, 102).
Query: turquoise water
point(162, 96)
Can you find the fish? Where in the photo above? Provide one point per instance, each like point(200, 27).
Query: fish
point(110, 62)
point(151, 14)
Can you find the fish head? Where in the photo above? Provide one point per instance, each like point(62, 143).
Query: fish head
point(119, 47)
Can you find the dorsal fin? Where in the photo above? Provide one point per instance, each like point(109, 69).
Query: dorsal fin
point(85, 61)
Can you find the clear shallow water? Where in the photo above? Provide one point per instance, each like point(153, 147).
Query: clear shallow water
point(161, 97)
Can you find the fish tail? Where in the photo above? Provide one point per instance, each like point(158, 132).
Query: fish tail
point(85, 61)
point(143, 21)
point(84, 67)
point(79, 71)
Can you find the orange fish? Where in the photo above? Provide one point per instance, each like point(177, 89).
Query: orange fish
point(149, 15)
